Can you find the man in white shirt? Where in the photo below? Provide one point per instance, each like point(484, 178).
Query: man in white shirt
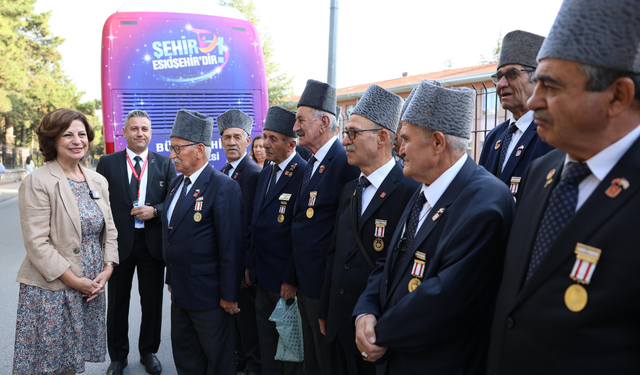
point(511, 146)
point(571, 264)
point(370, 208)
point(428, 310)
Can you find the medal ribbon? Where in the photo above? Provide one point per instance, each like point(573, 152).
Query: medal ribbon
point(418, 268)
point(582, 271)
point(379, 232)
point(198, 205)
point(514, 188)
point(135, 174)
point(282, 208)
point(312, 201)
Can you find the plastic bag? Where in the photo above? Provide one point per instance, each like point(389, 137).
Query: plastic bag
point(289, 326)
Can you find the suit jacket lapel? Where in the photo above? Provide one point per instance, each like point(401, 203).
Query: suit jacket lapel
point(236, 171)
point(282, 182)
point(387, 187)
point(151, 169)
point(69, 200)
point(317, 175)
point(523, 142)
point(447, 198)
point(190, 198)
point(581, 230)
point(122, 162)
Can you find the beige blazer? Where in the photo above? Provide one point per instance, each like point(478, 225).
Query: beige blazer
point(51, 228)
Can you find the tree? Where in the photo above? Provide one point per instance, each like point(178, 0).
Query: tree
point(32, 82)
point(278, 82)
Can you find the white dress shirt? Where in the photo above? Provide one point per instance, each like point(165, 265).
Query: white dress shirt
point(176, 194)
point(376, 178)
point(522, 124)
point(234, 164)
point(143, 179)
point(601, 164)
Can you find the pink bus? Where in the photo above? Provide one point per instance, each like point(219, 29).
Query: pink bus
point(161, 57)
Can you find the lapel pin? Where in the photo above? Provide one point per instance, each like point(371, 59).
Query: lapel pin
point(519, 150)
point(196, 193)
point(550, 177)
point(497, 146)
point(161, 183)
point(321, 169)
point(437, 215)
point(617, 185)
point(383, 195)
point(235, 176)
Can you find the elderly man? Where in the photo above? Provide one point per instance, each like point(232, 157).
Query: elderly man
point(427, 311)
point(271, 249)
point(235, 127)
point(138, 182)
point(314, 213)
point(365, 222)
point(567, 301)
point(511, 146)
point(203, 251)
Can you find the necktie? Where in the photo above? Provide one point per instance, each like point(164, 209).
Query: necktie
point(506, 141)
point(409, 233)
point(183, 193)
point(133, 182)
point(561, 208)
point(307, 173)
point(363, 184)
point(227, 167)
point(272, 182)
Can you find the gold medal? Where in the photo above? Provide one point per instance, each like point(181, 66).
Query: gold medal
point(575, 297)
point(197, 217)
point(378, 244)
point(414, 284)
point(280, 218)
point(309, 212)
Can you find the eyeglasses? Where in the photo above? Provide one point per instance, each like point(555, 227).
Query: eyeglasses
point(511, 74)
point(352, 133)
point(177, 148)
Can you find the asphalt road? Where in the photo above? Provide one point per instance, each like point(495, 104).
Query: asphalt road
point(11, 255)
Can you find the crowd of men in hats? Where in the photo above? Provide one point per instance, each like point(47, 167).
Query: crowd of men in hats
point(421, 265)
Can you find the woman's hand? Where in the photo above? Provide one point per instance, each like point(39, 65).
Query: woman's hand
point(101, 280)
point(88, 288)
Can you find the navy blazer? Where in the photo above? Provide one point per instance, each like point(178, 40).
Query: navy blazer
point(246, 175)
point(442, 327)
point(205, 259)
point(347, 270)
point(312, 236)
point(270, 260)
point(533, 330)
point(160, 171)
point(532, 148)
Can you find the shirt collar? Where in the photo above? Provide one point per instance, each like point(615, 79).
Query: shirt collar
point(196, 174)
point(434, 191)
point(234, 164)
point(132, 154)
point(322, 152)
point(524, 122)
point(603, 162)
point(377, 177)
point(285, 163)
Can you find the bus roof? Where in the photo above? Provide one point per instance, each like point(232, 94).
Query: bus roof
point(208, 8)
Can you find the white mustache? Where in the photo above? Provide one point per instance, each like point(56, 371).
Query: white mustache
point(350, 147)
point(268, 151)
point(233, 148)
point(300, 133)
point(176, 161)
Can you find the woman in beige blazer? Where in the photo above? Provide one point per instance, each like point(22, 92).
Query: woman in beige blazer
point(71, 246)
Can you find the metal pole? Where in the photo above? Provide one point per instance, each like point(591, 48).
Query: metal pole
point(333, 43)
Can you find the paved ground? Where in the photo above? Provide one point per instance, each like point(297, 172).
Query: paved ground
point(11, 256)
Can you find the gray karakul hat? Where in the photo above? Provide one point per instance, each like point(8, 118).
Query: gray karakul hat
point(280, 120)
point(380, 106)
point(596, 32)
point(520, 47)
point(408, 99)
point(319, 95)
point(234, 118)
point(436, 108)
point(193, 126)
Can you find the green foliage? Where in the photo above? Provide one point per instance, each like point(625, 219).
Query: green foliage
point(32, 81)
point(278, 82)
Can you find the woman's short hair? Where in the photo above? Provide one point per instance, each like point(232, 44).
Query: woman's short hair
point(260, 136)
point(52, 126)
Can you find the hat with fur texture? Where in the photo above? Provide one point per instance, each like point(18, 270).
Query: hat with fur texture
point(380, 106)
point(193, 126)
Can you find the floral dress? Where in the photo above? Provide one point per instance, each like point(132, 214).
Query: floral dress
point(57, 331)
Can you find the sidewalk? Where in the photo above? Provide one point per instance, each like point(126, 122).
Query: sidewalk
point(9, 190)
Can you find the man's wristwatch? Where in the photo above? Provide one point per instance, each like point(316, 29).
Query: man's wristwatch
point(155, 212)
